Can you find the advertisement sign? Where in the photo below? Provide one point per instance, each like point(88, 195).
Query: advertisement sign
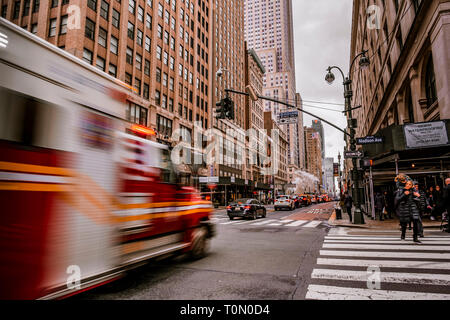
point(287, 117)
point(427, 134)
point(209, 179)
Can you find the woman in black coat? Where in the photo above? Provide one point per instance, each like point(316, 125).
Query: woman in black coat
point(407, 202)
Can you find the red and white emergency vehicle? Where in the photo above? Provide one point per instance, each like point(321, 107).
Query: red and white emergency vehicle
point(81, 201)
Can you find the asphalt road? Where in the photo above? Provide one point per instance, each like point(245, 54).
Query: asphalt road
point(271, 258)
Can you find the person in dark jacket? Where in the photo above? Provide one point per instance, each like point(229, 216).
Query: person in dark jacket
point(379, 205)
point(446, 199)
point(407, 202)
point(423, 204)
point(438, 202)
point(348, 202)
point(388, 204)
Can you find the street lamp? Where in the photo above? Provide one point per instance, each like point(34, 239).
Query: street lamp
point(364, 62)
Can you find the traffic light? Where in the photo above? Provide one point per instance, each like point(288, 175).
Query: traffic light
point(229, 108)
point(225, 109)
point(220, 109)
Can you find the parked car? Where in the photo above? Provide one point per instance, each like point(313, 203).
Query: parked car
point(314, 200)
point(246, 208)
point(284, 202)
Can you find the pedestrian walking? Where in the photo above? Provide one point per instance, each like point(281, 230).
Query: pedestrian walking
point(379, 205)
point(388, 204)
point(438, 202)
point(407, 202)
point(446, 200)
point(348, 202)
point(423, 204)
point(431, 203)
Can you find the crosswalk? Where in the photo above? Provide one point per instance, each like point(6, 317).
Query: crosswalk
point(381, 267)
point(267, 222)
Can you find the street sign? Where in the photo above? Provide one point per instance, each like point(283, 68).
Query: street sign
point(209, 180)
point(426, 134)
point(287, 117)
point(353, 154)
point(369, 140)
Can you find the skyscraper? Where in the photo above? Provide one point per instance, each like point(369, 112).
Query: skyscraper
point(318, 127)
point(269, 31)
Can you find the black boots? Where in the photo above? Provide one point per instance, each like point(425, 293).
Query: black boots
point(417, 240)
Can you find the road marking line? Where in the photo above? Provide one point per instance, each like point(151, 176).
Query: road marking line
point(385, 238)
point(231, 222)
point(297, 223)
point(381, 254)
point(245, 222)
point(263, 222)
point(312, 224)
point(406, 246)
point(385, 277)
point(275, 224)
point(385, 263)
point(321, 292)
point(424, 241)
point(286, 220)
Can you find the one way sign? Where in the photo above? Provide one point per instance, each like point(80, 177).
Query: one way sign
point(353, 154)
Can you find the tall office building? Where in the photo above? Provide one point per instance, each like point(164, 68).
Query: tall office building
point(269, 31)
point(317, 125)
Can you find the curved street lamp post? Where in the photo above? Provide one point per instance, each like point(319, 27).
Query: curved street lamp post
point(348, 93)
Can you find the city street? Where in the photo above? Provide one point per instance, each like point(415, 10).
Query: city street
point(269, 258)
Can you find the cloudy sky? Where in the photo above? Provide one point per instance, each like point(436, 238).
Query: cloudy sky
point(322, 38)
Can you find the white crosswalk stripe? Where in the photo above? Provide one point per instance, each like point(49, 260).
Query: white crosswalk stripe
point(269, 222)
point(349, 267)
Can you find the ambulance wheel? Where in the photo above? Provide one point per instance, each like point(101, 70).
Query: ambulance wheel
point(200, 244)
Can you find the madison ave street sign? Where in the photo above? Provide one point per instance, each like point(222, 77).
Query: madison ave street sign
point(353, 154)
point(369, 140)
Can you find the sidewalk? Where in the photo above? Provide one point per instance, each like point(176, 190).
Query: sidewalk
point(387, 224)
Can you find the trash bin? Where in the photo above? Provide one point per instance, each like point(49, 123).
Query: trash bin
point(338, 213)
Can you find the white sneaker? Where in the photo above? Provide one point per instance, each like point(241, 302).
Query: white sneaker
point(432, 218)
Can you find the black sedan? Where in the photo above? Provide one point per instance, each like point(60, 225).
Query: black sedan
point(246, 208)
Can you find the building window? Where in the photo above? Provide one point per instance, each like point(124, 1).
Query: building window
point(140, 14)
point(138, 61)
point(104, 10)
point(92, 4)
point(158, 52)
point(90, 29)
point(158, 75)
point(148, 21)
point(157, 98)
point(114, 45)
point(54, 4)
point(100, 63)
point(115, 18)
point(16, 10)
point(36, 5)
point(147, 43)
point(139, 37)
point(146, 91)
point(102, 35)
point(128, 78)
point(164, 101)
point(147, 67)
point(164, 125)
point(137, 85)
point(136, 114)
point(52, 28)
point(132, 6)
point(34, 28)
point(430, 83)
point(129, 57)
point(26, 8)
point(130, 30)
point(112, 70)
point(87, 56)
point(63, 25)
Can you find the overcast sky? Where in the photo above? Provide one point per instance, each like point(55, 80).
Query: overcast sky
point(322, 38)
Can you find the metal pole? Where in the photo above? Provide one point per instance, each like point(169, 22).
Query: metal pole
point(371, 195)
